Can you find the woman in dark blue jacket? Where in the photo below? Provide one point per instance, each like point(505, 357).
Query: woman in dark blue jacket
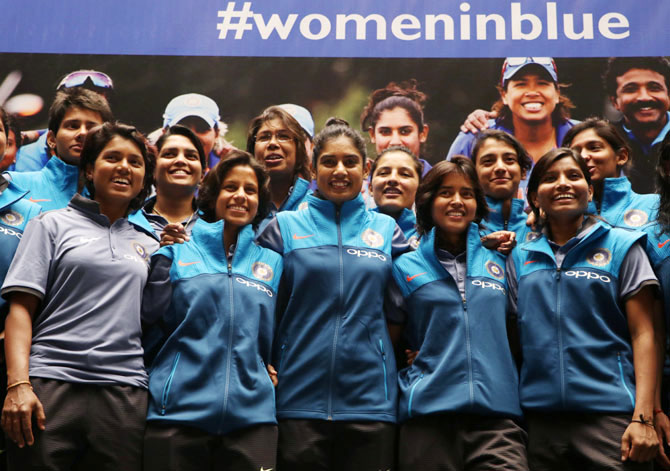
point(209, 309)
point(336, 397)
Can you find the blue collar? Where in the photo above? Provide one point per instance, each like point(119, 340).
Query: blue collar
point(10, 194)
point(659, 138)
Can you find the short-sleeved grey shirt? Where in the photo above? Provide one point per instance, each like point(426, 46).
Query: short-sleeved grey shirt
point(90, 276)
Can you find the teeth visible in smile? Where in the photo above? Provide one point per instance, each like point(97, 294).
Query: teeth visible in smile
point(179, 172)
point(456, 213)
point(565, 197)
point(122, 181)
point(533, 106)
point(237, 208)
point(340, 184)
point(273, 157)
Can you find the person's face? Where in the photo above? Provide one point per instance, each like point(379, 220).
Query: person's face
point(205, 133)
point(5, 157)
point(276, 149)
point(178, 165)
point(531, 96)
point(394, 182)
point(602, 160)
point(340, 170)
point(563, 192)
point(642, 97)
point(69, 139)
point(396, 128)
point(498, 169)
point(454, 206)
point(237, 203)
point(117, 173)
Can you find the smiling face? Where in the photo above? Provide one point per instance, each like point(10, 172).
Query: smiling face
point(237, 202)
point(275, 148)
point(498, 169)
point(178, 166)
point(601, 159)
point(340, 170)
point(396, 128)
point(69, 139)
point(531, 95)
point(454, 206)
point(642, 97)
point(563, 193)
point(394, 182)
point(117, 173)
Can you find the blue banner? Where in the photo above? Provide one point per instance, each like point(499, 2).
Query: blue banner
point(375, 28)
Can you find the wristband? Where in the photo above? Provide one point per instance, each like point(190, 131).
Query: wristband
point(643, 421)
point(657, 411)
point(18, 383)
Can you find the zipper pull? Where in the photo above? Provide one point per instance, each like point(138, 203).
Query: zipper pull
point(558, 273)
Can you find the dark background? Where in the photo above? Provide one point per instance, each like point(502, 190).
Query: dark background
point(242, 87)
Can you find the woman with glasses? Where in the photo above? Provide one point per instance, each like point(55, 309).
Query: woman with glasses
point(277, 140)
point(531, 108)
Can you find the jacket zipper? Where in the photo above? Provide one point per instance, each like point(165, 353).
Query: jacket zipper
point(468, 350)
point(338, 314)
point(168, 384)
point(411, 394)
point(560, 333)
point(386, 389)
point(230, 338)
point(281, 356)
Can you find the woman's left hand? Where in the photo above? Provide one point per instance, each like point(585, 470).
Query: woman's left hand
point(273, 375)
point(662, 425)
point(639, 443)
point(173, 233)
point(502, 241)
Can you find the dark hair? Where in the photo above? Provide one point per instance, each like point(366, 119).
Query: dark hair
point(525, 161)
point(96, 140)
point(334, 128)
point(4, 117)
point(418, 165)
point(299, 137)
point(404, 95)
point(663, 185)
point(544, 164)
point(605, 130)
point(432, 182)
point(211, 185)
point(560, 114)
point(13, 125)
point(79, 97)
point(617, 66)
point(179, 130)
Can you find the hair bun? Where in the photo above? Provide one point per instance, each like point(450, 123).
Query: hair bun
point(336, 122)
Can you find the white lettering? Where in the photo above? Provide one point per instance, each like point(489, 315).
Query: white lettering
point(275, 24)
point(589, 275)
point(447, 23)
point(10, 232)
point(498, 21)
point(252, 284)
point(306, 31)
point(401, 23)
point(361, 24)
point(619, 21)
point(569, 26)
point(488, 284)
point(366, 253)
point(552, 21)
point(517, 23)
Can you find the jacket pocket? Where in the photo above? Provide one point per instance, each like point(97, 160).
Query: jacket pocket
point(384, 378)
point(168, 384)
point(282, 353)
point(411, 395)
point(623, 379)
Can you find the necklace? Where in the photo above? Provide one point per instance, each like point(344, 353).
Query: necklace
point(155, 211)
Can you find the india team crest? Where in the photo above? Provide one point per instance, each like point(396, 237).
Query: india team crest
point(140, 250)
point(635, 217)
point(495, 270)
point(373, 238)
point(11, 218)
point(599, 257)
point(262, 271)
point(302, 206)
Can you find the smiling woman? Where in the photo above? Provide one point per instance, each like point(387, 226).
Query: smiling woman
point(73, 330)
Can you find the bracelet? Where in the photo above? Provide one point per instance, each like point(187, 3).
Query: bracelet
point(643, 421)
point(18, 383)
point(657, 411)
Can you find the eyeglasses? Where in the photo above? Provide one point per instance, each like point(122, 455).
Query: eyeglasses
point(266, 137)
point(78, 78)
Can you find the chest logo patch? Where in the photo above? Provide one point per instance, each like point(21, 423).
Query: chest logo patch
point(302, 206)
point(532, 236)
point(599, 257)
point(635, 218)
point(11, 218)
point(262, 271)
point(140, 250)
point(372, 238)
point(495, 270)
